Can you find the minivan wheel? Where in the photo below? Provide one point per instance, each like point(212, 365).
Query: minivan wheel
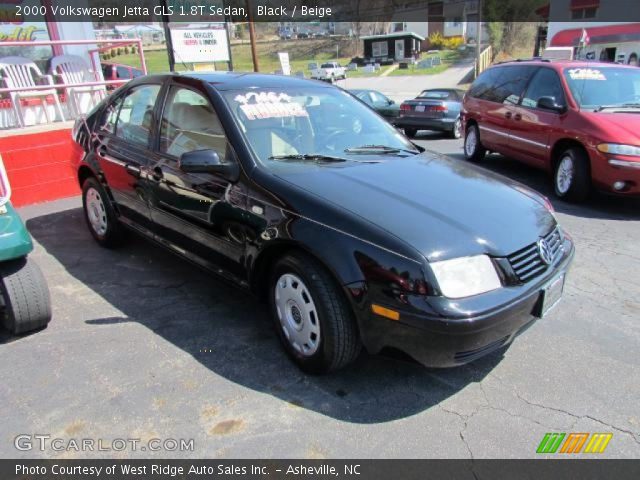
point(311, 316)
point(410, 132)
point(571, 178)
point(25, 296)
point(473, 149)
point(100, 215)
point(457, 129)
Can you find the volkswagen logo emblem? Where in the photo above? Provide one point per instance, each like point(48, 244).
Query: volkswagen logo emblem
point(545, 251)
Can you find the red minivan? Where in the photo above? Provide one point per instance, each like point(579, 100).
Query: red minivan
point(578, 120)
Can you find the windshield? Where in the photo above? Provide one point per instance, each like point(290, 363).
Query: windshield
point(594, 87)
point(312, 121)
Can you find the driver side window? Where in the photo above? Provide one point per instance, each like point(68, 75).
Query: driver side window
point(545, 83)
point(190, 123)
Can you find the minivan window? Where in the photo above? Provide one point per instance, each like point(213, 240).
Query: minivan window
point(545, 83)
point(593, 87)
point(504, 85)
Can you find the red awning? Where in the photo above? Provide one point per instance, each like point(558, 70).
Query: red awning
point(628, 32)
point(579, 4)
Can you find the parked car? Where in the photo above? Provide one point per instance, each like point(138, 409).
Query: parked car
point(329, 72)
point(380, 103)
point(297, 191)
point(579, 121)
point(25, 303)
point(117, 71)
point(434, 109)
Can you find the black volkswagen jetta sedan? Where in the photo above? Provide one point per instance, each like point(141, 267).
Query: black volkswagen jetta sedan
point(299, 192)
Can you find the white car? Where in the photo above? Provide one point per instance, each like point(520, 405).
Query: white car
point(329, 72)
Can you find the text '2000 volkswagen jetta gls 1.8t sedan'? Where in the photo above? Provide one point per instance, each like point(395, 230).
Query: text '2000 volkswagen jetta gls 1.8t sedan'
point(298, 191)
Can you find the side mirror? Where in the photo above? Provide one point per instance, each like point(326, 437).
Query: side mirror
point(391, 102)
point(549, 103)
point(208, 161)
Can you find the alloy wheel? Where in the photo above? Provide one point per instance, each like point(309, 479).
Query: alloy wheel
point(564, 174)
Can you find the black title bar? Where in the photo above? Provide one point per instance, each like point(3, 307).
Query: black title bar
point(198, 11)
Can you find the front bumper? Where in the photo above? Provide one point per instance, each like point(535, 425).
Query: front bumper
point(609, 169)
point(442, 333)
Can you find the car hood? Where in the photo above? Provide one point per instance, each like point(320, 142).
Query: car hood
point(443, 208)
point(621, 126)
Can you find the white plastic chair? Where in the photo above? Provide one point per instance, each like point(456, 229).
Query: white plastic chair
point(73, 70)
point(20, 72)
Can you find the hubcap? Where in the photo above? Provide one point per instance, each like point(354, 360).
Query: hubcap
point(470, 142)
point(456, 129)
point(96, 212)
point(297, 314)
point(564, 175)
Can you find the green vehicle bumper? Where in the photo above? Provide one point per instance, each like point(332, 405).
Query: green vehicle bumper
point(15, 241)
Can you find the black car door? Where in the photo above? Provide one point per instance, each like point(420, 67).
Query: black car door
point(199, 214)
point(123, 150)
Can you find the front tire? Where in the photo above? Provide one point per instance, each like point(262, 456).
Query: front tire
point(410, 132)
point(100, 216)
point(27, 303)
point(313, 319)
point(572, 177)
point(473, 149)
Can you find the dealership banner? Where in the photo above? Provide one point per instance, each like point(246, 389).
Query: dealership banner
point(546, 469)
point(190, 11)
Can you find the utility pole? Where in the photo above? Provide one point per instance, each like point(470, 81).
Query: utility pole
point(226, 27)
point(478, 37)
point(167, 36)
point(252, 37)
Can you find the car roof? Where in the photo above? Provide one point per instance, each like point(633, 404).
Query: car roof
point(562, 63)
point(241, 80)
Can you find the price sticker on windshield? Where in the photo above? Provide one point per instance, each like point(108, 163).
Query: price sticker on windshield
point(586, 74)
point(269, 105)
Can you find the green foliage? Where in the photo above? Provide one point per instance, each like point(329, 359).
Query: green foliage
point(452, 43)
point(436, 40)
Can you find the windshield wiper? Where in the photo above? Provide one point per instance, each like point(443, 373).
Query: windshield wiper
point(313, 157)
point(620, 105)
point(378, 149)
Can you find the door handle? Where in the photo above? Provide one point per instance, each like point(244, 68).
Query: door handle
point(517, 116)
point(132, 170)
point(507, 115)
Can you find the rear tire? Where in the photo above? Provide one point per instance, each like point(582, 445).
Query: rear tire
point(473, 149)
point(410, 132)
point(456, 132)
point(27, 303)
point(100, 216)
point(311, 315)
point(572, 176)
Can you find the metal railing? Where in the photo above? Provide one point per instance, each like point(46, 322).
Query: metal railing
point(102, 45)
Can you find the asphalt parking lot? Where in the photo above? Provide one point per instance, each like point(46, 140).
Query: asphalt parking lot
point(143, 345)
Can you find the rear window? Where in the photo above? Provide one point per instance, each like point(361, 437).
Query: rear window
point(437, 94)
point(327, 65)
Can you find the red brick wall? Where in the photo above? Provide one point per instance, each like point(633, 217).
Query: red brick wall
point(39, 166)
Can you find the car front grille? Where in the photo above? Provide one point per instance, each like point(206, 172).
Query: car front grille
point(527, 262)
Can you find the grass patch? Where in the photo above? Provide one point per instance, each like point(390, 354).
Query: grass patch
point(301, 53)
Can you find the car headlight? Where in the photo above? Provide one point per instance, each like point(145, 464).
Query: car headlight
point(618, 149)
point(466, 276)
